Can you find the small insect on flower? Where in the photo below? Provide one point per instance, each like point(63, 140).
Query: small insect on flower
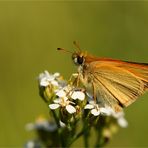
point(114, 83)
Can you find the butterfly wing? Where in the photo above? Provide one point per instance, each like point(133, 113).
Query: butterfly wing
point(118, 83)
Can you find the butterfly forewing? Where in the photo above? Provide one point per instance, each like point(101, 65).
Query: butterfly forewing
point(117, 83)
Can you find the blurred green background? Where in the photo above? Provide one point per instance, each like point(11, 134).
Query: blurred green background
point(30, 32)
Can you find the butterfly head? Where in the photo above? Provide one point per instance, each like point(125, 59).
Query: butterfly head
point(78, 58)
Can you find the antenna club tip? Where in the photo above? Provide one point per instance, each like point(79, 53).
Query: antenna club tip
point(58, 48)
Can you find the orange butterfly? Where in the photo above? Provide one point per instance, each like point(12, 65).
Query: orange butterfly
point(113, 82)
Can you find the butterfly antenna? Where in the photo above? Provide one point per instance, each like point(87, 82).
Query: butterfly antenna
point(64, 50)
point(77, 45)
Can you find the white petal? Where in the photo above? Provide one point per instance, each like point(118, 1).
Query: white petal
point(92, 102)
point(78, 95)
point(55, 83)
point(62, 124)
point(44, 83)
point(43, 75)
point(56, 74)
point(122, 122)
point(54, 106)
point(57, 101)
point(95, 112)
point(30, 144)
point(105, 111)
point(48, 76)
point(45, 78)
point(75, 75)
point(46, 73)
point(61, 93)
point(70, 109)
point(89, 106)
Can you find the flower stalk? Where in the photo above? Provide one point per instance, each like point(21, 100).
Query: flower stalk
point(73, 113)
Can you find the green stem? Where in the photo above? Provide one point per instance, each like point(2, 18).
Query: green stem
point(86, 134)
point(56, 118)
point(101, 140)
point(62, 143)
point(76, 137)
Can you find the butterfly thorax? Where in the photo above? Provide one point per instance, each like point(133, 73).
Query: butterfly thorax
point(81, 60)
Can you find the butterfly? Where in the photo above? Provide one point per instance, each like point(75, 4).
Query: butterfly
point(112, 82)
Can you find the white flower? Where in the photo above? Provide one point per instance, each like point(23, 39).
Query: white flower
point(32, 144)
point(42, 123)
point(93, 107)
point(78, 95)
point(122, 122)
point(63, 102)
point(108, 111)
point(45, 79)
point(61, 93)
point(119, 116)
point(120, 119)
point(96, 110)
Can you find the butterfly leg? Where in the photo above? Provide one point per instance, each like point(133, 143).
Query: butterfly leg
point(94, 92)
point(75, 79)
point(78, 80)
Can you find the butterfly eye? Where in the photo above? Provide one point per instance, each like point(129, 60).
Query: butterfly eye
point(80, 60)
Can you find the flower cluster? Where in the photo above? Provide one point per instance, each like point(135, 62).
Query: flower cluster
point(69, 106)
